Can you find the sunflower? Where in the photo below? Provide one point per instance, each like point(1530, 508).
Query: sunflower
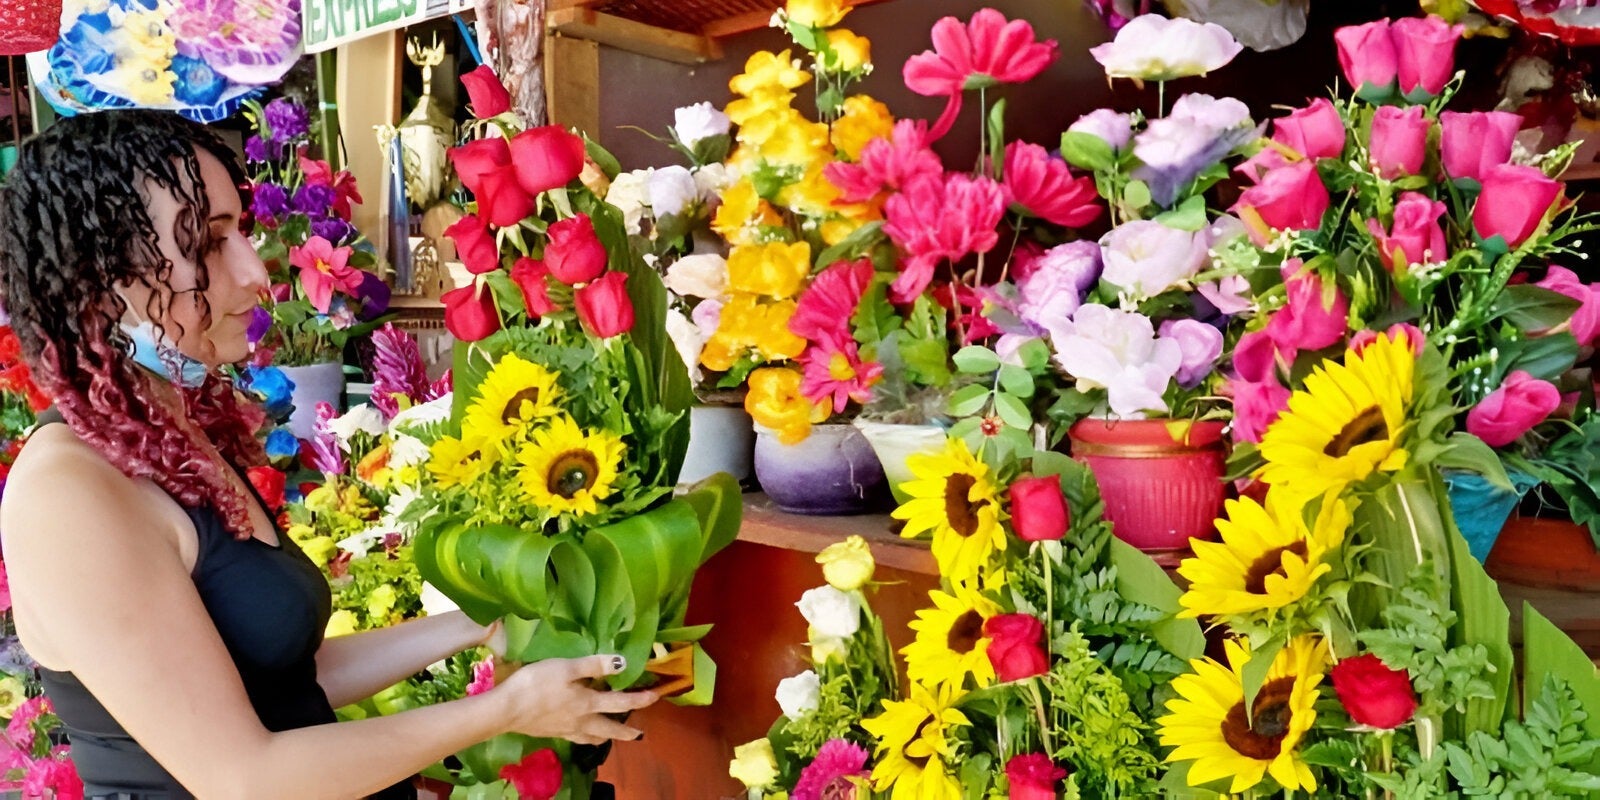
point(1267, 559)
point(1346, 424)
point(912, 745)
point(950, 641)
point(454, 462)
point(565, 469)
point(1207, 722)
point(953, 497)
point(515, 394)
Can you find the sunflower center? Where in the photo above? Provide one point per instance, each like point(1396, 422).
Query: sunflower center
point(513, 410)
point(1368, 426)
point(1270, 563)
point(1263, 739)
point(572, 472)
point(959, 511)
point(965, 632)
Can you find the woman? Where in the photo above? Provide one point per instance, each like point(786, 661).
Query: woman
point(179, 632)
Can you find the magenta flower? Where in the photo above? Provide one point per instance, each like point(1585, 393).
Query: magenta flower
point(1307, 322)
point(823, 312)
point(1416, 237)
point(831, 771)
point(1511, 410)
point(324, 269)
point(835, 369)
point(1044, 186)
point(397, 370)
point(326, 455)
point(1256, 406)
point(886, 164)
point(941, 218)
point(986, 51)
point(1585, 322)
point(482, 678)
point(1315, 131)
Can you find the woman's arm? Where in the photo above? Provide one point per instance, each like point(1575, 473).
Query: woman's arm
point(354, 667)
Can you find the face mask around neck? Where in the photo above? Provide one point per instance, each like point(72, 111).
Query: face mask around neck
point(159, 356)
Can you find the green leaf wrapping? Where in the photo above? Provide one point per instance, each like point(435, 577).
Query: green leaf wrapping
point(1548, 651)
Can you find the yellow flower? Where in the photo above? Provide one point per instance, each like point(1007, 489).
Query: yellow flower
point(748, 113)
point(301, 533)
point(811, 196)
point(319, 549)
point(1208, 723)
point(515, 396)
point(380, 602)
point(12, 692)
point(765, 70)
point(743, 213)
point(776, 270)
point(847, 565)
point(342, 623)
point(453, 462)
point(953, 497)
point(565, 469)
point(950, 644)
point(913, 748)
point(850, 52)
point(774, 401)
point(748, 324)
point(849, 217)
point(374, 466)
point(816, 13)
point(323, 499)
point(754, 764)
point(864, 119)
point(794, 141)
point(1267, 559)
point(1346, 424)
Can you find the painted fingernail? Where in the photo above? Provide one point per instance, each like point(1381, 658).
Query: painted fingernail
point(618, 663)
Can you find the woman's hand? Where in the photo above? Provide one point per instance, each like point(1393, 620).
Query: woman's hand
point(552, 699)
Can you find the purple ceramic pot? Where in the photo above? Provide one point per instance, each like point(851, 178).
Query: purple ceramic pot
point(832, 472)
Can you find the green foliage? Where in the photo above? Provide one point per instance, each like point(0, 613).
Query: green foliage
point(1416, 638)
point(1570, 466)
point(1544, 755)
point(1099, 730)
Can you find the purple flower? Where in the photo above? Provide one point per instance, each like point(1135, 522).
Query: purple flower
point(314, 200)
point(270, 202)
point(326, 457)
point(260, 323)
point(1053, 290)
point(1112, 127)
point(1145, 258)
point(286, 120)
point(1230, 295)
point(1199, 132)
point(255, 149)
point(1201, 345)
point(374, 294)
point(333, 229)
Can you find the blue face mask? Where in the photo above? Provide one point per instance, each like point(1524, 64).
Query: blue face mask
point(163, 359)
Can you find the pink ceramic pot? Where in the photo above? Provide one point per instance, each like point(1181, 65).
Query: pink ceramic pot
point(1159, 492)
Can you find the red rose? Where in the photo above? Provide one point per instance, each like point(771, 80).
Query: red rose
point(1513, 202)
point(1520, 403)
point(536, 777)
point(1373, 694)
point(1289, 198)
point(1016, 646)
point(1038, 509)
point(475, 244)
point(269, 483)
point(547, 158)
point(486, 94)
point(470, 312)
point(575, 254)
point(485, 169)
point(604, 307)
point(1033, 776)
point(529, 275)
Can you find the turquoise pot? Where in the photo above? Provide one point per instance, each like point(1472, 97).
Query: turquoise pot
point(1481, 509)
point(8, 158)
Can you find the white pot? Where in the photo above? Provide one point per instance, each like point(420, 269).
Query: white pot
point(896, 442)
point(315, 383)
point(721, 439)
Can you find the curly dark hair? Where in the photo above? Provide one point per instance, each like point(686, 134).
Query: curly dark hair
point(74, 226)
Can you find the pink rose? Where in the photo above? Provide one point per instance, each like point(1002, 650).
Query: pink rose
point(1255, 357)
point(1413, 334)
point(1291, 197)
point(1368, 57)
point(1033, 776)
point(1425, 50)
point(1306, 322)
point(1585, 324)
point(1470, 144)
point(1520, 403)
point(1416, 237)
point(1315, 131)
point(1513, 202)
point(1255, 407)
point(1399, 142)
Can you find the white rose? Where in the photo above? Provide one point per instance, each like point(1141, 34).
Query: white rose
point(671, 190)
point(704, 276)
point(630, 193)
point(699, 121)
point(687, 339)
point(362, 419)
point(831, 612)
point(800, 695)
point(434, 602)
point(424, 414)
point(714, 179)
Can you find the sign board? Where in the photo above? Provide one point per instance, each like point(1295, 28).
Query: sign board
point(329, 23)
point(458, 6)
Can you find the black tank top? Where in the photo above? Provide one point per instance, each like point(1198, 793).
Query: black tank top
point(270, 605)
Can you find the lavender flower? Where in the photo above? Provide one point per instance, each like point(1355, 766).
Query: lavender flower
point(260, 323)
point(1199, 132)
point(1054, 289)
point(255, 150)
point(333, 229)
point(270, 203)
point(314, 200)
point(326, 456)
point(286, 120)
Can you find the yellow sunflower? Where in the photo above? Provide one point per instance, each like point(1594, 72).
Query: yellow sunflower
point(454, 462)
point(565, 469)
point(950, 643)
point(1346, 424)
point(516, 394)
point(953, 497)
point(912, 745)
point(1207, 722)
point(1267, 559)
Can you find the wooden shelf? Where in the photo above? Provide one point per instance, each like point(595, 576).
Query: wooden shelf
point(766, 524)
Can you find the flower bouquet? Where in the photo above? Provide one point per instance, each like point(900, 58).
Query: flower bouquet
point(549, 500)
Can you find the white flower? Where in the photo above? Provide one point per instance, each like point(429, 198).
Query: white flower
point(396, 508)
point(1104, 348)
point(828, 648)
point(703, 275)
point(630, 193)
point(1154, 48)
point(800, 695)
point(364, 418)
point(832, 612)
point(406, 451)
point(671, 189)
point(423, 414)
point(434, 602)
point(699, 121)
point(1144, 258)
point(361, 543)
point(687, 339)
point(714, 179)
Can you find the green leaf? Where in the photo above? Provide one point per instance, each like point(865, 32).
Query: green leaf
point(1481, 619)
point(1469, 453)
point(711, 149)
point(1533, 308)
point(1035, 355)
point(969, 400)
point(926, 360)
point(720, 508)
point(1137, 195)
point(875, 317)
point(1016, 380)
point(1548, 651)
point(1012, 411)
point(1189, 216)
point(1087, 151)
point(602, 157)
point(1546, 357)
point(804, 35)
point(853, 246)
point(705, 681)
point(1141, 580)
point(997, 132)
point(976, 360)
point(1255, 670)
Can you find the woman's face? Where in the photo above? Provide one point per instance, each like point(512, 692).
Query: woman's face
point(209, 326)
